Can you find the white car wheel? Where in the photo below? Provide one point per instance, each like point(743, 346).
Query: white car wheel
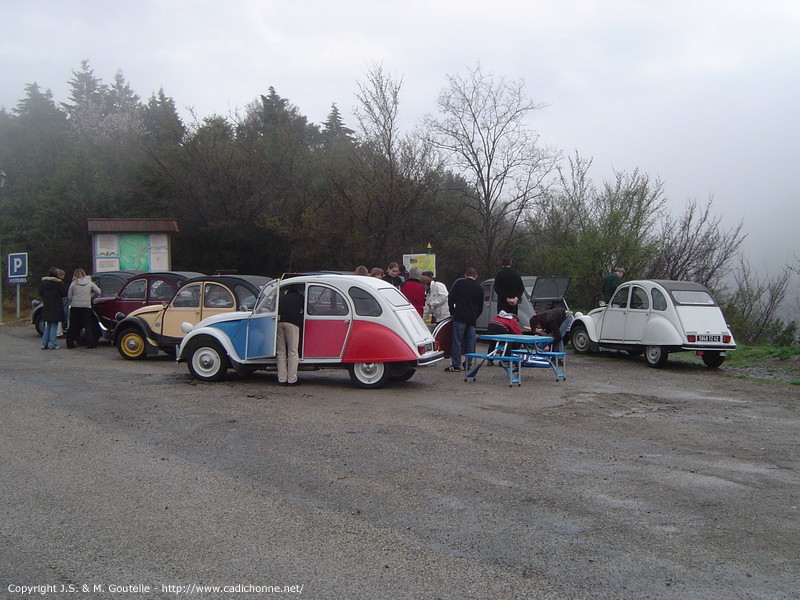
point(208, 361)
point(580, 339)
point(656, 356)
point(369, 375)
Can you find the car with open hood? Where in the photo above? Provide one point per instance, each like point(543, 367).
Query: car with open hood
point(361, 324)
point(657, 317)
point(541, 293)
point(156, 328)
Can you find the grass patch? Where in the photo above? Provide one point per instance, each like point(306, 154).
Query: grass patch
point(747, 355)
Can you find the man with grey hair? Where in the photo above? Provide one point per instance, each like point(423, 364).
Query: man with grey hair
point(414, 290)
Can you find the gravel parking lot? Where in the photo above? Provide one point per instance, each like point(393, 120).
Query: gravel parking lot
point(621, 482)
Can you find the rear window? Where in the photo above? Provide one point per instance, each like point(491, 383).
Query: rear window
point(394, 296)
point(693, 297)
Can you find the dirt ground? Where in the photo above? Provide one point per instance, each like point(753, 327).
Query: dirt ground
point(622, 482)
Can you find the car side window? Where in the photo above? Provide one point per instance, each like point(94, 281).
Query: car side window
point(620, 299)
point(324, 301)
point(246, 298)
point(639, 299)
point(109, 285)
point(487, 292)
point(188, 297)
point(217, 296)
point(659, 300)
point(160, 290)
point(365, 303)
point(136, 290)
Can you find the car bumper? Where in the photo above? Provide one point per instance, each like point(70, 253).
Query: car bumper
point(430, 358)
point(708, 348)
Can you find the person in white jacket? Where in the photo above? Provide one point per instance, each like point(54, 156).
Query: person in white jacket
point(80, 294)
point(435, 299)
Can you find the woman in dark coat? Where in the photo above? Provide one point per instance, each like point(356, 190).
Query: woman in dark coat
point(52, 293)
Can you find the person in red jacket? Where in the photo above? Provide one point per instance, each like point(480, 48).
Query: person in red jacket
point(413, 289)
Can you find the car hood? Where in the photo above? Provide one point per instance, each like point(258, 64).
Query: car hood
point(223, 317)
point(146, 310)
point(546, 288)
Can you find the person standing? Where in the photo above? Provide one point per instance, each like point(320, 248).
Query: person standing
point(611, 283)
point(393, 275)
point(435, 299)
point(290, 321)
point(508, 286)
point(465, 301)
point(413, 289)
point(52, 293)
point(81, 292)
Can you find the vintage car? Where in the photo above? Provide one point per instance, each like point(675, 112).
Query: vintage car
point(541, 293)
point(157, 328)
point(154, 287)
point(109, 282)
point(657, 317)
point(359, 323)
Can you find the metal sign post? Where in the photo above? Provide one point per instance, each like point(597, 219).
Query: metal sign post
point(18, 271)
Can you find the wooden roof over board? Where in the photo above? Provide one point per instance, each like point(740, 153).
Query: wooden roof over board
point(132, 225)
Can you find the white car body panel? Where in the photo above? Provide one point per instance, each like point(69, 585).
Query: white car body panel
point(693, 322)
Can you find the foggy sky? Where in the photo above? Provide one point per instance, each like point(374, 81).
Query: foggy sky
point(701, 94)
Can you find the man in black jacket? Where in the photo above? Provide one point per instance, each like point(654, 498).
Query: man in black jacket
point(466, 304)
point(508, 286)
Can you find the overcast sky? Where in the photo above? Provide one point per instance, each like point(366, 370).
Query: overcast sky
point(704, 95)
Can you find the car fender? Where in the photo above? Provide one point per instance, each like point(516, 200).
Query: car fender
point(137, 323)
point(213, 332)
point(589, 323)
point(373, 342)
point(660, 331)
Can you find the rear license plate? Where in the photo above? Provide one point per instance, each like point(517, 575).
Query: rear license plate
point(709, 338)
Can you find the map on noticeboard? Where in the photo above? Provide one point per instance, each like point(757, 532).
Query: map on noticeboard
point(425, 262)
point(135, 251)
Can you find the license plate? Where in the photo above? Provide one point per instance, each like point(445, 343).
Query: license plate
point(709, 338)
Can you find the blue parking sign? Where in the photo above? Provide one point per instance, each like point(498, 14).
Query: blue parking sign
point(18, 267)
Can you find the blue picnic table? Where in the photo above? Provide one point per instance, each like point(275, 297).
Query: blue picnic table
point(512, 352)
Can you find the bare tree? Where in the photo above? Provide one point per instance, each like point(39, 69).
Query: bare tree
point(693, 247)
point(752, 309)
point(484, 136)
point(379, 196)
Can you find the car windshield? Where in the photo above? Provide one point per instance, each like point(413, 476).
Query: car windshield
point(693, 297)
point(266, 300)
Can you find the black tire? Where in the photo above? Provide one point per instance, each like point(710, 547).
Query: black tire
point(713, 360)
point(38, 323)
point(131, 344)
point(207, 360)
point(580, 338)
point(402, 371)
point(656, 356)
point(81, 336)
point(369, 375)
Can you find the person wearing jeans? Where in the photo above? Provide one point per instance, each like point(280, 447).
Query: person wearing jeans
point(52, 292)
point(465, 301)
